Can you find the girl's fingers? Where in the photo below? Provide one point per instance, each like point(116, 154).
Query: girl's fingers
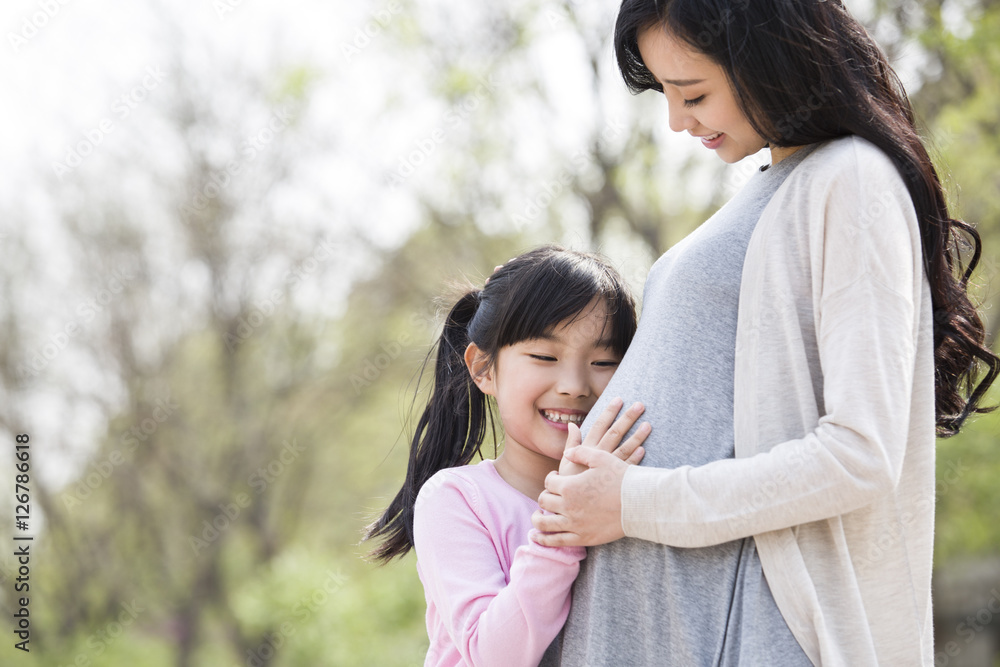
point(613, 437)
point(603, 422)
point(573, 437)
point(636, 456)
point(567, 467)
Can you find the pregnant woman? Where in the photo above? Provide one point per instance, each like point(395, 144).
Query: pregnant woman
point(796, 355)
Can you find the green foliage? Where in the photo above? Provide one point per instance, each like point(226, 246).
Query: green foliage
point(380, 618)
point(961, 105)
point(968, 467)
point(318, 610)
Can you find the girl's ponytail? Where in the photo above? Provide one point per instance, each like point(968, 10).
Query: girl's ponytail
point(448, 434)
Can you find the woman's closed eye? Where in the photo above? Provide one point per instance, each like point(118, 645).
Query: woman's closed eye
point(694, 102)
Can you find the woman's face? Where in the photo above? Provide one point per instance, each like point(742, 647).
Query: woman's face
point(700, 99)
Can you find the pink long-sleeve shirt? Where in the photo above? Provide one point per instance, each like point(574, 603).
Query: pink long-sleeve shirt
point(494, 597)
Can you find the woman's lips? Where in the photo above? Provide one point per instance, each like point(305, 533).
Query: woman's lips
point(713, 141)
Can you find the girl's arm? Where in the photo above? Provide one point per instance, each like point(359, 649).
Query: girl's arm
point(867, 327)
point(491, 621)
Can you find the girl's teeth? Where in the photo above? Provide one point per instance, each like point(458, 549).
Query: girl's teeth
point(564, 418)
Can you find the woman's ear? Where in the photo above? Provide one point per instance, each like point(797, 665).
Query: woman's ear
point(478, 364)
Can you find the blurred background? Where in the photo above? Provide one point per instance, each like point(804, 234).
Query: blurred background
point(227, 230)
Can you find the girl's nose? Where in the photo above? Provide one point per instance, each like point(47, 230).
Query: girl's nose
point(574, 383)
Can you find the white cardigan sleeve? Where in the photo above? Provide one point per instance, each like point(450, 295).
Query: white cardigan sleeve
point(866, 271)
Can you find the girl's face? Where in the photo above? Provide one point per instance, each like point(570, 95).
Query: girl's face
point(699, 97)
point(541, 384)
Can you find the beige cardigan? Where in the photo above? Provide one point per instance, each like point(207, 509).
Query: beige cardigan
point(834, 418)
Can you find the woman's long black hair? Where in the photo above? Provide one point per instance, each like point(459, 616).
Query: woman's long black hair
point(805, 71)
point(523, 300)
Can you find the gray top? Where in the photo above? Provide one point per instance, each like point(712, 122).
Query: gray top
point(641, 603)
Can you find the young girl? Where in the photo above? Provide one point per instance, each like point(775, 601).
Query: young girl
point(795, 354)
point(541, 340)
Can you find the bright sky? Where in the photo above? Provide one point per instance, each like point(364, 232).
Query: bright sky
point(89, 72)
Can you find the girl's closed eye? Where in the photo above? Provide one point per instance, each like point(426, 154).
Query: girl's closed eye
point(542, 357)
point(608, 363)
point(694, 102)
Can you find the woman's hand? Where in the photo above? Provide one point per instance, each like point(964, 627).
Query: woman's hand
point(584, 498)
point(606, 434)
point(586, 509)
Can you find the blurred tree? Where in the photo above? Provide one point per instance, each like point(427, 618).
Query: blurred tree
point(202, 319)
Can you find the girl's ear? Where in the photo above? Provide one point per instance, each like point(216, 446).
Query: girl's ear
point(478, 365)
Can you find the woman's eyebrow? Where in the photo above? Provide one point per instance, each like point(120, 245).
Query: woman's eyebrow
point(682, 82)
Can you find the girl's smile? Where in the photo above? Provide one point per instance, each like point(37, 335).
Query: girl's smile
point(560, 419)
point(541, 385)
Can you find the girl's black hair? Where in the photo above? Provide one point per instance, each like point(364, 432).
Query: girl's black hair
point(525, 299)
point(805, 71)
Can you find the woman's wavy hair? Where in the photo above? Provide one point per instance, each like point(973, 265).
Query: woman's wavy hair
point(806, 71)
point(524, 299)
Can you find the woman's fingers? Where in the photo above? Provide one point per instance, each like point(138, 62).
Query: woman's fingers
point(549, 502)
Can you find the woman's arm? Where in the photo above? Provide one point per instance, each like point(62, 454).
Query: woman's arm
point(492, 622)
point(866, 337)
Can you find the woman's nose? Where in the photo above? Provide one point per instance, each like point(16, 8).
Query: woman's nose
point(678, 118)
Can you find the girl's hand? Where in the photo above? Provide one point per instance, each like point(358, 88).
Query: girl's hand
point(606, 434)
point(582, 510)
